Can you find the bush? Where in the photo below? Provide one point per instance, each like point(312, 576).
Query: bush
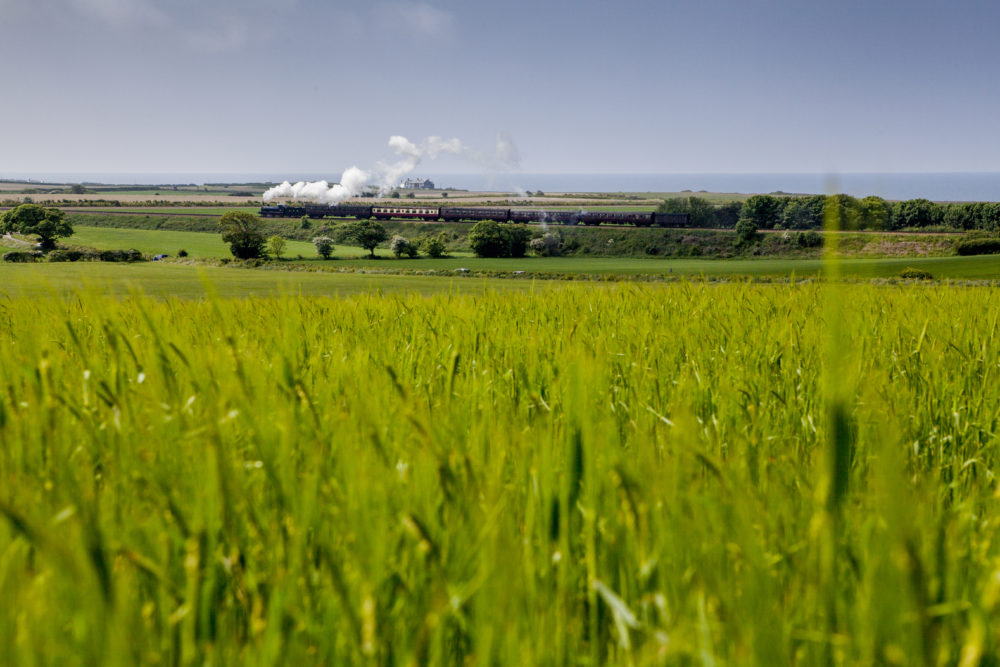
point(65, 256)
point(809, 239)
point(495, 239)
point(130, 255)
point(324, 246)
point(746, 231)
point(433, 246)
point(400, 245)
point(978, 246)
point(19, 256)
point(546, 245)
point(916, 274)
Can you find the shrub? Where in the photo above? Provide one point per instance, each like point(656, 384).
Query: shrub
point(130, 255)
point(810, 239)
point(400, 245)
point(19, 256)
point(916, 274)
point(978, 246)
point(65, 256)
point(324, 246)
point(546, 245)
point(746, 231)
point(495, 239)
point(434, 246)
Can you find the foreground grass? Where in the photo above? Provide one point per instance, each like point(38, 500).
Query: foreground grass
point(632, 475)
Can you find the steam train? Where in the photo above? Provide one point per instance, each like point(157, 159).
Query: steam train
point(474, 214)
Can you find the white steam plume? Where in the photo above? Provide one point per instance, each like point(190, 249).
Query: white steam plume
point(352, 183)
point(503, 158)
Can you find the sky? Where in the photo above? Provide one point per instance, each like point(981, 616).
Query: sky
point(588, 86)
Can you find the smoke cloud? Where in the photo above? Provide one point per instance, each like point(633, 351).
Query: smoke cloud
point(352, 183)
point(387, 175)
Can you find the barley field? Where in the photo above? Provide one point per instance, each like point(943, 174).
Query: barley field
point(681, 474)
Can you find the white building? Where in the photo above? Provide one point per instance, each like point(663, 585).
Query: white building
point(416, 184)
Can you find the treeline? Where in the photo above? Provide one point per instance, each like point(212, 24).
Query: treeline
point(872, 213)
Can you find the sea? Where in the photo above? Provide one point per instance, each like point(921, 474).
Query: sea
point(951, 186)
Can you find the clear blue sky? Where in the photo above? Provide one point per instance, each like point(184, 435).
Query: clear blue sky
point(580, 86)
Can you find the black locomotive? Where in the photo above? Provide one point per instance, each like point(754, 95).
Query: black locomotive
point(474, 214)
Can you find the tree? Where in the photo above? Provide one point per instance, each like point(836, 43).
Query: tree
point(763, 210)
point(674, 205)
point(243, 232)
point(489, 238)
point(725, 216)
point(324, 246)
point(875, 213)
point(47, 224)
point(845, 209)
point(700, 210)
point(366, 233)
point(434, 246)
point(916, 213)
point(746, 231)
point(276, 246)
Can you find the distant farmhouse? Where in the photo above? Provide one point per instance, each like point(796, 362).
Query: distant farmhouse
point(416, 184)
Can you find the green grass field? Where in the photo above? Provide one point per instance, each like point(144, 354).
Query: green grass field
point(185, 281)
point(684, 474)
point(200, 244)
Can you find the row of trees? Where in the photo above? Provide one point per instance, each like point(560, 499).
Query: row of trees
point(244, 232)
point(873, 213)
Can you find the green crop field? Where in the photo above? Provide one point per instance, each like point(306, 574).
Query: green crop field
point(681, 474)
point(185, 281)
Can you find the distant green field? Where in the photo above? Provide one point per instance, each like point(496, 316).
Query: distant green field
point(200, 244)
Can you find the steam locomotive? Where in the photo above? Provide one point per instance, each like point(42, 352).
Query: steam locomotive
point(474, 214)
